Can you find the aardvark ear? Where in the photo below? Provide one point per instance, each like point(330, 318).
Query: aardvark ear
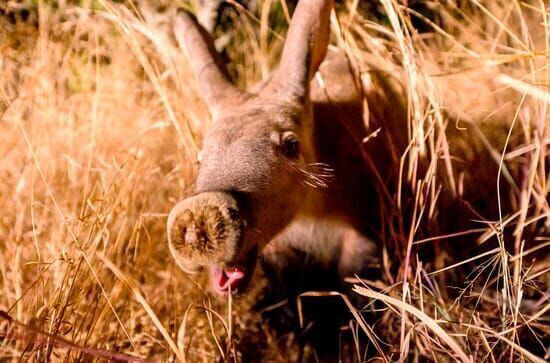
point(304, 50)
point(213, 79)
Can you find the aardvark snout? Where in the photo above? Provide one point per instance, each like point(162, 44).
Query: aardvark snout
point(204, 230)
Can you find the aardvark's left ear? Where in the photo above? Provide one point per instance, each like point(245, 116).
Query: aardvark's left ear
point(213, 79)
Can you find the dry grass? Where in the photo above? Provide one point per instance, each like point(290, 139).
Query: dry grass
point(100, 126)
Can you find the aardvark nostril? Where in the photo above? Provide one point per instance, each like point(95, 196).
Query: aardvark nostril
point(204, 229)
point(191, 234)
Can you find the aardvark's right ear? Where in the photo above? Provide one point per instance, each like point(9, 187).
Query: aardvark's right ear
point(213, 79)
point(304, 50)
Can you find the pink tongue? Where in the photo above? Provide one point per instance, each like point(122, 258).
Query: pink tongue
point(226, 279)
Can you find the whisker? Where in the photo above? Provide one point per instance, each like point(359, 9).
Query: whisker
point(316, 175)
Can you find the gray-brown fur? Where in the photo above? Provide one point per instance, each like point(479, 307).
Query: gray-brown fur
point(318, 201)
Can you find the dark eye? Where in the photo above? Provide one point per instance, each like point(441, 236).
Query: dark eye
point(291, 145)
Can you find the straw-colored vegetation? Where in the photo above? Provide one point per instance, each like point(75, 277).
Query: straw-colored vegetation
point(100, 123)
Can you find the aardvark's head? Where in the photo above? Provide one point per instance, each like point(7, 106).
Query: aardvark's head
point(250, 180)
